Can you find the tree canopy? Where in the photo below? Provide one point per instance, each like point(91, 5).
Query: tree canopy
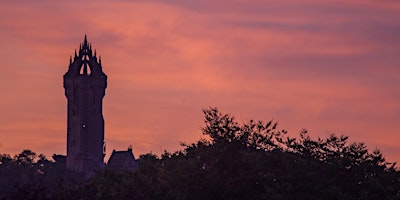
point(249, 160)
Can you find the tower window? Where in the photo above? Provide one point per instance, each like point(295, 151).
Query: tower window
point(85, 70)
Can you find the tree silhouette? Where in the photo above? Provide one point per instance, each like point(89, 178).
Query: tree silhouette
point(250, 160)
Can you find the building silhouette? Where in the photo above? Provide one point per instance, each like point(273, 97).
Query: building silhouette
point(122, 160)
point(85, 84)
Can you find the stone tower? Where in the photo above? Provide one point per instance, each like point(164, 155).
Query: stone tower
point(85, 84)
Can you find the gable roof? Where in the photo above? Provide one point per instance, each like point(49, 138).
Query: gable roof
point(122, 160)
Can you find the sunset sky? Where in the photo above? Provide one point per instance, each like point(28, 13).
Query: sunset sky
point(327, 66)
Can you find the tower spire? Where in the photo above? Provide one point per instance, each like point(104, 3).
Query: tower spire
point(85, 41)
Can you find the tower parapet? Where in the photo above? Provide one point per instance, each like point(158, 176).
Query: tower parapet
point(85, 84)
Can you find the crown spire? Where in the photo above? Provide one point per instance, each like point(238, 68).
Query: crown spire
point(85, 61)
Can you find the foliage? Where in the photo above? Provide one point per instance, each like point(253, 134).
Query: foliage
point(251, 160)
point(28, 176)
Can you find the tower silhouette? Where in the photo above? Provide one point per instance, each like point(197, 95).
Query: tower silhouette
point(85, 84)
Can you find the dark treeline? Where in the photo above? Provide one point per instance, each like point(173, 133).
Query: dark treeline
point(252, 160)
